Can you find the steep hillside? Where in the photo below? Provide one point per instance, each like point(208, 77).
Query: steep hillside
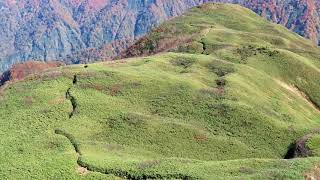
point(234, 101)
point(301, 16)
point(85, 31)
point(223, 36)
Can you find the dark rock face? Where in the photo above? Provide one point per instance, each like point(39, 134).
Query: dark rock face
point(299, 149)
point(5, 77)
point(77, 31)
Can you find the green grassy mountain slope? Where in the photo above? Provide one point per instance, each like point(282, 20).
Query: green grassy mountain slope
point(229, 103)
point(239, 37)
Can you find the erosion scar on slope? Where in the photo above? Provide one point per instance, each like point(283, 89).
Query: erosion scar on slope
point(81, 170)
point(116, 172)
point(295, 90)
point(72, 99)
point(73, 103)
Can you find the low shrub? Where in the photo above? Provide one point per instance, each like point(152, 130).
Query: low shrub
point(126, 119)
point(184, 62)
point(221, 68)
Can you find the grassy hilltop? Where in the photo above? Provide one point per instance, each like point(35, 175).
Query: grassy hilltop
point(229, 101)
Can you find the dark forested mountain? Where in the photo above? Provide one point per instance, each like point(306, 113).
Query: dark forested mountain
point(79, 31)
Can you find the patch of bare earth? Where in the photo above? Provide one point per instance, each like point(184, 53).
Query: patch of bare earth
point(57, 100)
point(82, 170)
point(314, 174)
point(298, 93)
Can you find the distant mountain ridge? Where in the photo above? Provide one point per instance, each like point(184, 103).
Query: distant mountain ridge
point(83, 31)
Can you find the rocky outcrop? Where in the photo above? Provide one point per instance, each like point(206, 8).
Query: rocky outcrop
point(298, 149)
point(83, 31)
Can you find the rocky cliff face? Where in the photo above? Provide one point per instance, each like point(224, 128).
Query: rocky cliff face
point(80, 31)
